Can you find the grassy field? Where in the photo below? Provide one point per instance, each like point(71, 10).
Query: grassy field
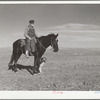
point(67, 70)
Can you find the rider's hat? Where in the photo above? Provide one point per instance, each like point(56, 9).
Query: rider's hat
point(31, 21)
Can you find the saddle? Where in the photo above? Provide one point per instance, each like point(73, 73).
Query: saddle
point(33, 46)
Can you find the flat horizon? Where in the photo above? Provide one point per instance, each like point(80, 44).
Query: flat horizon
point(77, 25)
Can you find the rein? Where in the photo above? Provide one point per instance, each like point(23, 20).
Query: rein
point(40, 43)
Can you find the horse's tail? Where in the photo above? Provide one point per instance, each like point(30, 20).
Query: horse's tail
point(12, 57)
point(14, 52)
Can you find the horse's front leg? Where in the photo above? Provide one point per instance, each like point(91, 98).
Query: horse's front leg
point(34, 68)
point(38, 65)
point(17, 56)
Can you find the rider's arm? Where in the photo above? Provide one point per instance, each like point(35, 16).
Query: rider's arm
point(26, 33)
point(35, 33)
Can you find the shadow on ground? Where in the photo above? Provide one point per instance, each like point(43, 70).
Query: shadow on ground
point(21, 67)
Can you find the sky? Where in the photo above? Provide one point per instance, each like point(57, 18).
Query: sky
point(78, 25)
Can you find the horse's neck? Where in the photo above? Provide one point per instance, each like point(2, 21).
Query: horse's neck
point(45, 41)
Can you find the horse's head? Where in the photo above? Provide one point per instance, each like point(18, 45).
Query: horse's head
point(54, 42)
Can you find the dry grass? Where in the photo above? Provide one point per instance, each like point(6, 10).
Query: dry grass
point(68, 70)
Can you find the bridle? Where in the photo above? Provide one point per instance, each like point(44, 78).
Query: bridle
point(45, 47)
point(51, 44)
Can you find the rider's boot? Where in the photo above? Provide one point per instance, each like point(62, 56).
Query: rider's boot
point(27, 54)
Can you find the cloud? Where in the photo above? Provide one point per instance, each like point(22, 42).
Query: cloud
point(72, 35)
point(76, 35)
point(74, 27)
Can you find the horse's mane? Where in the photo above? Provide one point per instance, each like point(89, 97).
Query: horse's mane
point(49, 35)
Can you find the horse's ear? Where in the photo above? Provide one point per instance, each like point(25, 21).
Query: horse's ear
point(51, 33)
point(57, 35)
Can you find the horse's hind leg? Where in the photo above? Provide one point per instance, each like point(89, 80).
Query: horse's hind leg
point(15, 61)
point(10, 64)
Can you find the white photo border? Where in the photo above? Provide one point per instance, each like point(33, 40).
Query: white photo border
point(49, 94)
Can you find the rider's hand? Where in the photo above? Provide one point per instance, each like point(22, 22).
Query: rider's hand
point(30, 38)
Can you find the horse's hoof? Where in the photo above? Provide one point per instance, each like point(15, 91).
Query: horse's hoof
point(9, 65)
point(32, 73)
point(15, 71)
point(37, 72)
point(9, 68)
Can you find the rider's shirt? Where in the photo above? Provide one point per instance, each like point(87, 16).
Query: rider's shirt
point(29, 32)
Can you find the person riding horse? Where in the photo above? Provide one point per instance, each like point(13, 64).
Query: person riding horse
point(30, 38)
point(32, 46)
point(42, 44)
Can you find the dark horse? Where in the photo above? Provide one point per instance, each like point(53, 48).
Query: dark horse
point(43, 43)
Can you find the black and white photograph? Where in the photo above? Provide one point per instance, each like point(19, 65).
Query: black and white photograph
point(50, 47)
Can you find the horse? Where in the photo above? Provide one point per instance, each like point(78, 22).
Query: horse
point(43, 43)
